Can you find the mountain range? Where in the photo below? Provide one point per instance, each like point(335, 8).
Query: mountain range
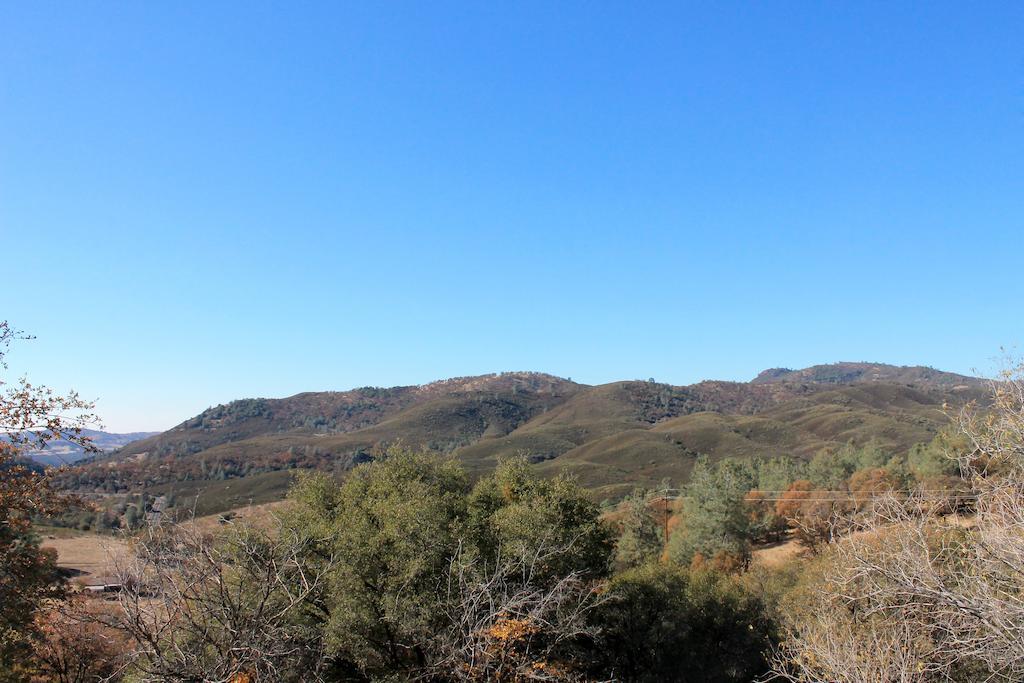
point(611, 436)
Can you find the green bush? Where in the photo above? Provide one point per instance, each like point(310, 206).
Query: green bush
point(668, 623)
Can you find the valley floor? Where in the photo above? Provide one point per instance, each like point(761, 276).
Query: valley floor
point(89, 558)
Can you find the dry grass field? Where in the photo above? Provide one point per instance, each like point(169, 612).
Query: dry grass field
point(777, 554)
point(259, 515)
point(90, 558)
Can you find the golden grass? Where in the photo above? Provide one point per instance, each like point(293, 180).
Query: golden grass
point(91, 557)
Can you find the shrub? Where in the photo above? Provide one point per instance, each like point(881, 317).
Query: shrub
point(669, 623)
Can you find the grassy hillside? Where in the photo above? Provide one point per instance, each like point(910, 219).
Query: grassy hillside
point(894, 416)
point(327, 413)
point(611, 409)
point(613, 436)
point(204, 497)
point(442, 424)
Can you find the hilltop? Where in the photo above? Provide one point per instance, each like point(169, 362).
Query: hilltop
point(612, 436)
point(857, 373)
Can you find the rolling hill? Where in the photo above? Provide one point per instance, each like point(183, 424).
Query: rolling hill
point(612, 436)
point(333, 413)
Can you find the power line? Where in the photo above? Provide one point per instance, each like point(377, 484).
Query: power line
point(846, 496)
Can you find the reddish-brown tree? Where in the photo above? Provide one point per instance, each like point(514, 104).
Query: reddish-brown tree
point(30, 416)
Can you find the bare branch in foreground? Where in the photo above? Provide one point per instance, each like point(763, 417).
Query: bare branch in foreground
point(241, 606)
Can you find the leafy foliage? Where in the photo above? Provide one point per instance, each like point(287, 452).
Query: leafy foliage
point(830, 468)
point(399, 526)
point(513, 510)
point(640, 540)
point(392, 527)
point(716, 524)
point(664, 623)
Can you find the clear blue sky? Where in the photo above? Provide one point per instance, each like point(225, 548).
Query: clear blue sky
point(201, 201)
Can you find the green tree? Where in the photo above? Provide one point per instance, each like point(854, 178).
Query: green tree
point(669, 623)
point(939, 458)
point(716, 523)
point(514, 512)
point(776, 474)
point(392, 529)
point(640, 539)
point(413, 552)
point(830, 468)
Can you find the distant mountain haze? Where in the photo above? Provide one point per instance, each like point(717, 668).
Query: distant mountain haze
point(63, 452)
point(612, 436)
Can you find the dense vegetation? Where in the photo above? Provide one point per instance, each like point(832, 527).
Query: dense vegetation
point(405, 571)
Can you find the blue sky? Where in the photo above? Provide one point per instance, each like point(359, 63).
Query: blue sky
point(205, 201)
